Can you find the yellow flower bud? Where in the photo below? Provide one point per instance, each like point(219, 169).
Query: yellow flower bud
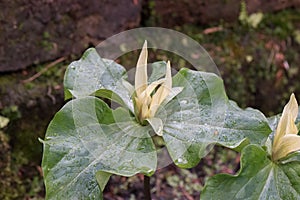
point(286, 139)
point(148, 98)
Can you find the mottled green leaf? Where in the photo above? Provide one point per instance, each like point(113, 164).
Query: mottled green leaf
point(86, 137)
point(201, 115)
point(192, 117)
point(92, 73)
point(102, 179)
point(156, 124)
point(240, 124)
point(108, 94)
point(158, 71)
point(258, 178)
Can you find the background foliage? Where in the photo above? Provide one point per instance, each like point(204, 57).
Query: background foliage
point(260, 67)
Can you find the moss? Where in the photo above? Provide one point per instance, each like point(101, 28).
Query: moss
point(261, 81)
point(29, 107)
point(9, 178)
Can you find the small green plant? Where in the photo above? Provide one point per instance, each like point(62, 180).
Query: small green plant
point(87, 141)
point(267, 172)
point(3, 122)
point(252, 20)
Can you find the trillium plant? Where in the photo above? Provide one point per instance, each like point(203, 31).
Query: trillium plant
point(111, 126)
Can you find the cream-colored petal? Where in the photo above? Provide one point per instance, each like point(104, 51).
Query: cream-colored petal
point(138, 103)
point(168, 82)
point(286, 123)
point(162, 92)
point(154, 105)
point(287, 144)
point(141, 101)
point(152, 86)
point(144, 112)
point(147, 100)
point(292, 128)
point(141, 77)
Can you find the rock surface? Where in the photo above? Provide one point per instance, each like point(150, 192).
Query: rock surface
point(34, 32)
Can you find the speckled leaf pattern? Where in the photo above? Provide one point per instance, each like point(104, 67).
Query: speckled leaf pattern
point(87, 141)
point(85, 137)
point(201, 115)
point(158, 71)
point(258, 178)
point(92, 73)
point(192, 117)
point(239, 124)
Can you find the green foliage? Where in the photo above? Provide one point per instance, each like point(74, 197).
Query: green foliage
point(87, 141)
point(297, 36)
point(248, 125)
point(81, 141)
point(3, 122)
point(253, 52)
point(11, 112)
point(283, 24)
point(259, 178)
point(252, 20)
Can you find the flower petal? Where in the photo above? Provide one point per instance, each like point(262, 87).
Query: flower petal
point(152, 86)
point(168, 82)
point(288, 144)
point(286, 123)
point(141, 77)
point(144, 114)
point(162, 92)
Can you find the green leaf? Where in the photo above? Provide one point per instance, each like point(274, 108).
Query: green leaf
point(258, 178)
point(108, 94)
point(192, 117)
point(92, 73)
point(158, 71)
point(295, 156)
point(86, 137)
point(240, 124)
point(102, 179)
point(68, 94)
point(156, 124)
point(200, 116)
point(273, 122)
point(3, 121)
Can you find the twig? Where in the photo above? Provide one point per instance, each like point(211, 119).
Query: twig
point(212, 30)
point(49, 94)
point(270, 59)
point(147, 191)
point(187, 195)
point(44, 70)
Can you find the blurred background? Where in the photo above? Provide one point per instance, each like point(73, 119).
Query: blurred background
point(255, 44)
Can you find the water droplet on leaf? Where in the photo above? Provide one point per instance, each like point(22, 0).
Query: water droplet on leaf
point(184, 101)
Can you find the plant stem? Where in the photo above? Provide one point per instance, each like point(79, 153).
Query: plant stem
point(147, 191)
